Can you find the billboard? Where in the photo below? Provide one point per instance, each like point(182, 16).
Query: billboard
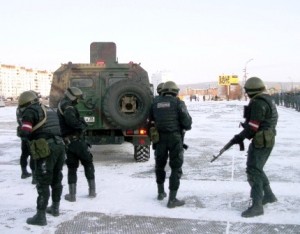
point(228, 80)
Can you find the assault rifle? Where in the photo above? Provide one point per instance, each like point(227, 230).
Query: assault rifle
point(226, 147)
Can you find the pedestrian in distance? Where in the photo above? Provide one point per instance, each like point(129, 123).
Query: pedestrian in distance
point(171, 118)
point(41, 130)
point(73, 129)
point(260, 127)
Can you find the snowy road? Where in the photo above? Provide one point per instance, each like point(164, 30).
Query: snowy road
point(214, 192)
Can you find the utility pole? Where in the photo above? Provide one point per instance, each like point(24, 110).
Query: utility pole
point(245, 75)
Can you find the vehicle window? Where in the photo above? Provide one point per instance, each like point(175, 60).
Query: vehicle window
point(81, 82)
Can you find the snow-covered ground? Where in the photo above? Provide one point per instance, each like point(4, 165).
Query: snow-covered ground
point(215, 191)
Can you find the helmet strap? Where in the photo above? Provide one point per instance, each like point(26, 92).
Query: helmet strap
point(70, 91)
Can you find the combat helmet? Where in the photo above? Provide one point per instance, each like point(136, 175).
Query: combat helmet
point(170, 87)
point(27, 98)
point(254, 85)
point(159, 88)
point(74, 93)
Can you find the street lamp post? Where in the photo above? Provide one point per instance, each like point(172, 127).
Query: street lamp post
point(245, 75)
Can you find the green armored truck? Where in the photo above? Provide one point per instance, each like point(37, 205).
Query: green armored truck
point(117, 98)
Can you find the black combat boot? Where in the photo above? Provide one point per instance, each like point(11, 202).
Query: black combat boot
point(53, 209)
point(161, 192)
point(38, 219)
point(255, 210)
point(173, 201)
point(269, 196)
point(71, 197)
point(34, 181)
point(25, 174)
point(92, 188)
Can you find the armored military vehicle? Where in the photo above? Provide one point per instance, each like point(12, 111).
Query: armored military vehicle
point(117, 98)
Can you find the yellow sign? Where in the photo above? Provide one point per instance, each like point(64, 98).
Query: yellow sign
point(228, 80)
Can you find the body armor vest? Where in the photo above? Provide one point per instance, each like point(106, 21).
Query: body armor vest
point(51, 127)
point(271, 117)
point(165, 114)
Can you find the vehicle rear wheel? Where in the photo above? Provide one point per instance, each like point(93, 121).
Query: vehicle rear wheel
point(141, 153)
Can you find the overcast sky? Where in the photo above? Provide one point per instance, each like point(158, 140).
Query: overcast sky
point(194, 40)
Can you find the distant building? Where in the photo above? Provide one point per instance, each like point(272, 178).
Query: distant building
point(158, 77)
point(15, 79)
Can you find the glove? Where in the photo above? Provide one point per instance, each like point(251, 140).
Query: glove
point(237, 139)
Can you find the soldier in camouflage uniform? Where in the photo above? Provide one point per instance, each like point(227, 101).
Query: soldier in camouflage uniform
point(40, 128)
point(260, 126)
point(171, 117)
point(73, 127)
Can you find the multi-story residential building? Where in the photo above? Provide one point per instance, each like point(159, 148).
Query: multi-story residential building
point(15, 79)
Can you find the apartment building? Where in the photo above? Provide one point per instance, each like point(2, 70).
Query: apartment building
point(16, 79)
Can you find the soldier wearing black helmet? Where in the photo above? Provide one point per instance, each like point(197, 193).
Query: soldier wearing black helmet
point(73, 127)
point(260, 127)
point(40, 129)
point(170, 116)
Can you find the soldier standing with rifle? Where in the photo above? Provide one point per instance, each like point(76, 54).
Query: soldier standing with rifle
point(260, 126)
point(171, 117)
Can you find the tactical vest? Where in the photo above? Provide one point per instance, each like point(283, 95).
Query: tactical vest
point(272, 116)
point(51, 126)
point(165, 114)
